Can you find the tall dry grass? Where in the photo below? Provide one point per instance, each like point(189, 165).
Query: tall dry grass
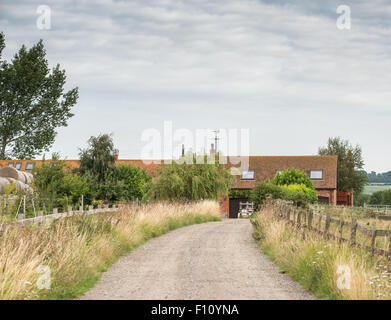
point(77, 249)
point(319, 264)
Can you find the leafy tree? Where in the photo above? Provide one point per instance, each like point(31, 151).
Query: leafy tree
point(293, 176)
point(384, 177)
point(97, 164)
point(350, 162)
point(56, 185)
point(191, 181)
point(98, 159)
point(33, 103)
point(136, 181)
point(381, 197)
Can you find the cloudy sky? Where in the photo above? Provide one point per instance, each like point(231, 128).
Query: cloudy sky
point(282, 69)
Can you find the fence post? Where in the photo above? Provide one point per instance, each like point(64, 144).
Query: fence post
point(353, 232)
point(327, 226)
point(341, 224)
point(294, 216)
point(373, 239)
point(310, 217)
point(299, 212)
point(320, 222)
point(389, 248)
point(305, 216)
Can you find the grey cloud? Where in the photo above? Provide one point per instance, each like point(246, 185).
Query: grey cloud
point(277, 67)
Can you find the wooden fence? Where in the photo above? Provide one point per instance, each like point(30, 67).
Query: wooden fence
point(40, 218)
point(314, 220)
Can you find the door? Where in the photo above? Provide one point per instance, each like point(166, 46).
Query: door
point(323, 200)
point(234, 207)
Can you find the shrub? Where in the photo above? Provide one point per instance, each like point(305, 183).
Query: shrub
point(381, 197)
point(300, 194)
point(239, 193)
point(56, 185)
point(293, 176)
point(191, 181)
point(262, 190)
point(136, 181)
point(360, 199)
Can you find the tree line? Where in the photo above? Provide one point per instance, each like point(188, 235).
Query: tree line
point(374, 177)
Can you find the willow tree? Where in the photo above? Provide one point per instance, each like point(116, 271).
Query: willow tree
point(33, 103)
point(191, 181)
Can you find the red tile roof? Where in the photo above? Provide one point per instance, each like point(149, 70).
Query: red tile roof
point(265, 168)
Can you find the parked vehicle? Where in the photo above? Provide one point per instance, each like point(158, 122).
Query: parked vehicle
point(244, 213)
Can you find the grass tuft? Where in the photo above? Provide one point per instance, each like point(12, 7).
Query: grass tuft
point(78, 249)
point(320, 265)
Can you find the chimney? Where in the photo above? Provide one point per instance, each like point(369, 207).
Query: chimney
point(212, 149)
point(183, 150)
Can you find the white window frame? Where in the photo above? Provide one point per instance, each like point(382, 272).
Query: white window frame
point(316, 177)
point(18, 166)
point(11, 164)
point(29, 166)
point(248, 172)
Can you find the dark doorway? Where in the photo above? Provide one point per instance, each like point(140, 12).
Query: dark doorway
point(234, 207)
point(323, 200)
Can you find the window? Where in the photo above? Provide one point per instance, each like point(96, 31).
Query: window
point(29, 166)
point(11, 164)
point(248, 175)
point(18, 165)
point(316, 174)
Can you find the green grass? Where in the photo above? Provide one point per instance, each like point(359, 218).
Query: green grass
point(313, 261)
point(371, 188)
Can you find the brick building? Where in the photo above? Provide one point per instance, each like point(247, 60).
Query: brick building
point(321, 169)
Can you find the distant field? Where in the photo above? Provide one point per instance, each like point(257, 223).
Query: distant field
point(373, 188)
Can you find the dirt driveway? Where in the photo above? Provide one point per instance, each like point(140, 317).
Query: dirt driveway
point(217, 260)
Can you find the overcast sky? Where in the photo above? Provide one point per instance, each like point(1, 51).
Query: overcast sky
point(282, 69)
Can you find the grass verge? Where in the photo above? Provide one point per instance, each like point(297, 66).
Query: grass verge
point(326, 268)
point(78, 249)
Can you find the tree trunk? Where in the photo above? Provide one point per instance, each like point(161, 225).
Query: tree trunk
point(3, 146)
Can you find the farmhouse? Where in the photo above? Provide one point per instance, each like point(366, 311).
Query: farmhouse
point(321, 169)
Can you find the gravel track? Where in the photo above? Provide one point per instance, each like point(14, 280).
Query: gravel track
point(210, 261)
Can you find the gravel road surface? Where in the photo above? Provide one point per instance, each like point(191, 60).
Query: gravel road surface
point(217, 260)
